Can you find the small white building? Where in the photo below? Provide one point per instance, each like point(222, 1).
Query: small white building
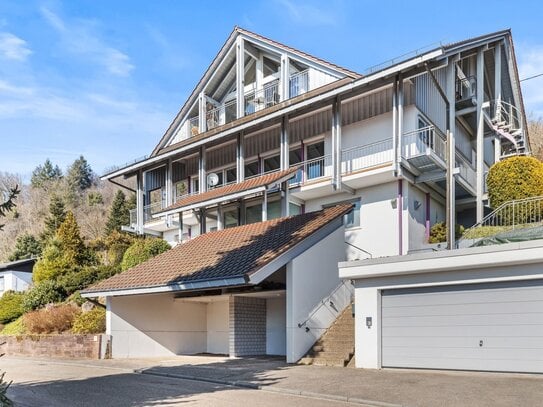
point(470, 309)
point(16, 275)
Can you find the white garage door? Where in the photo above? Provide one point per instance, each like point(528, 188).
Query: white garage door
point(493, 327)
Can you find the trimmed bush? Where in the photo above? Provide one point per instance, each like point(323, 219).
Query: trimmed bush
point(15, 328)
point(142, 250)
point(41, 294)
point(514, 178)
point(92, 322)
point(438, 232)
point(54, 319)
point(11, 306)
point(82, 278)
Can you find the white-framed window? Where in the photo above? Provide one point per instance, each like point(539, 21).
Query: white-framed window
point(352, 219)
point(2, 284)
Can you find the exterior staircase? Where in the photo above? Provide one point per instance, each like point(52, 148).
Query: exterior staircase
point(507, 123)
point(336, 346)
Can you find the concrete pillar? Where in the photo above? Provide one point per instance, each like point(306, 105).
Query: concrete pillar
point(220, 217)
point(336, 144)
point(497, 94)
point(240, 158)
point(202, 176)
point(240, 76)
point(139, 203)
point(285, 207)
point(284, 143)
point(480, 168)
point(451, 154)
point(265, 207)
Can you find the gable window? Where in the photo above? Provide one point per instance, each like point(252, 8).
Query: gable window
point(352, 219)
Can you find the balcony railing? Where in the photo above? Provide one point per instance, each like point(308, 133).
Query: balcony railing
point(361, 157)
point(298, 83)
point(466, 171)
point(466, 88)
point(312, 169)
point(191, 128)
point(266, 97)
point(222, 114)
point(416, 143)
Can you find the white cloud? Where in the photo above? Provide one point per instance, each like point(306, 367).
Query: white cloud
point(531, 64)
point(13, 47)
point(81, 38)
point(308, 14)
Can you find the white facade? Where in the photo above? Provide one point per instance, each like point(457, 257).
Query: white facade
point(11, 280)
point(506, 264)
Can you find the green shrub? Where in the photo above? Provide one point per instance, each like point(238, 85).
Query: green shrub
point(14, 328)
point(92, 322)
point(438, 232)
point(142, 250)
point(514, 178)
point(55, 319)
point(11, 306)
point(484, 231)
point(43, 293)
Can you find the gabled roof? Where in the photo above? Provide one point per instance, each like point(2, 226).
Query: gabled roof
point(222, 258)
point(219, 58)
point(24, 265)
point(227, 192)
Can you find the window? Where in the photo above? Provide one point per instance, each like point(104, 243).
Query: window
point(156, 196)
point(231, 175)
point(315, 168)
point(231, 218)
point(251, 169)
point(195, 184)
point(2, 284)
point(295, 157)
point(181, 188)
point(253, 214)
point(352, 219)
point(272, 163)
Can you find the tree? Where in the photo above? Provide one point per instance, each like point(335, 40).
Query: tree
point(142, 250)
point(119, 214)
point(26, 246)
point(65, 253)
point(535, 129)
point(80, 175)
point(57, 215)
point(9, 202)
point(43, 174)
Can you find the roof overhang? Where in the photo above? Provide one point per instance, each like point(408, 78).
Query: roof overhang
point(447, 260)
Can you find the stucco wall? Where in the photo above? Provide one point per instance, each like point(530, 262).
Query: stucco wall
point(217, 327)
point(276, 319)
point(312, 277)
point(15, 280)
point(156, 325)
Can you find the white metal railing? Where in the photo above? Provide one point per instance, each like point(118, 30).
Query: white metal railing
point(313, 169)
point(265, 97)
point(466, 88)
point(416, 142)
point(191, 128)
point(133, 213)
point(370, 155)
point(299, 83)
point(466, 171)
point(148, 212)
point(520, 213)
point(507, 121)
point(223, 114)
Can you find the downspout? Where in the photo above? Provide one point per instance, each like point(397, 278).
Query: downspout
point(400, 217)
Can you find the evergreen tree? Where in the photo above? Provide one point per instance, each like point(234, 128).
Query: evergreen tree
point(8, 202)
point(26, 246)
point(119, 214)
point(57, 215)
point(80, 175)
point(45, 173)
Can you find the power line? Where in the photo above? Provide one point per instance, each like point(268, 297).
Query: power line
point(531, 77)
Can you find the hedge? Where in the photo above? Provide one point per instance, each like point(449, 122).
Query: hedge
point(142, 250)
point(11, 306)
point(92, 322)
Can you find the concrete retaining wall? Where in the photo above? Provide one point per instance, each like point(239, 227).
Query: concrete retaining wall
point(55, 346)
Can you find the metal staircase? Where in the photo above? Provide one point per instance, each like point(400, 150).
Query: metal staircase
point(506, 120)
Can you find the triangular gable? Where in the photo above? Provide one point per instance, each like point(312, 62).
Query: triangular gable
point(221, 71)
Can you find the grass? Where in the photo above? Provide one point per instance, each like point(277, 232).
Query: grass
point(14, 328)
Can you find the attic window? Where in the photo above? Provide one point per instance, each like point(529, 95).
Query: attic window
point(270, 67)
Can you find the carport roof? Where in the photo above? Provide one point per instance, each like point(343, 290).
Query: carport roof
point(227, 257)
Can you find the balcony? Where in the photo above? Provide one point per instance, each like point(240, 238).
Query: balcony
point(425, 149)
point(359, 158)
point(299, 83)
point(148, 212)
point(466, 92)
point(223, 114)
point(266, 97)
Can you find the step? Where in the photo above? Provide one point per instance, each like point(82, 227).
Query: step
point(330, 347)
point(329, 362)
point(333, 355)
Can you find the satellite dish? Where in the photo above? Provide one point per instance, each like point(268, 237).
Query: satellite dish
point(212, 179)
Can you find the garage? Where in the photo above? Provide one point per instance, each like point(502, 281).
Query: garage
point(474, 309)
point(488, 327)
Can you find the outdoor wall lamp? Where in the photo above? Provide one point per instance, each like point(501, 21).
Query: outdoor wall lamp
point(417, 205)
point(368, 322)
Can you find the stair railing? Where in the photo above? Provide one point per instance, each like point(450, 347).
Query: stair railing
point(326, 301)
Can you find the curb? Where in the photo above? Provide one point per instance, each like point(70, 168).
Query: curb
point(253, 386)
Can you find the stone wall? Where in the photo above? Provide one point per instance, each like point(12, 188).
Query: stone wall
point(247, 326)
point(55, 346)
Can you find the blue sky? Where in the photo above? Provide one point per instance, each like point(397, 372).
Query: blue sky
point(105, 78)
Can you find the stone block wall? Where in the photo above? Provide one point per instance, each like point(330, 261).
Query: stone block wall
point(55, 346)
point(247, 326)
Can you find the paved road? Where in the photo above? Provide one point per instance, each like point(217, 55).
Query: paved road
point(42, 383)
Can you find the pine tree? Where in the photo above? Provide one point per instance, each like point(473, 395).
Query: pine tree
point(71, 242)
point(43, 174)
point(57, 215)
point(26, 246)
point(119, 214)
point(8, 203)
point(80, 175)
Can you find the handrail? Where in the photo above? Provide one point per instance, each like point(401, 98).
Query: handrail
point(321, 304)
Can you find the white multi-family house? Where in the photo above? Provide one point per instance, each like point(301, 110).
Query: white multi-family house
point(279, 165)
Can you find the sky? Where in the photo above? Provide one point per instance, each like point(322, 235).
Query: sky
point(105, 78)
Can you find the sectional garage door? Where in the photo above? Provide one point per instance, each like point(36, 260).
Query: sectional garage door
point(493, 327)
